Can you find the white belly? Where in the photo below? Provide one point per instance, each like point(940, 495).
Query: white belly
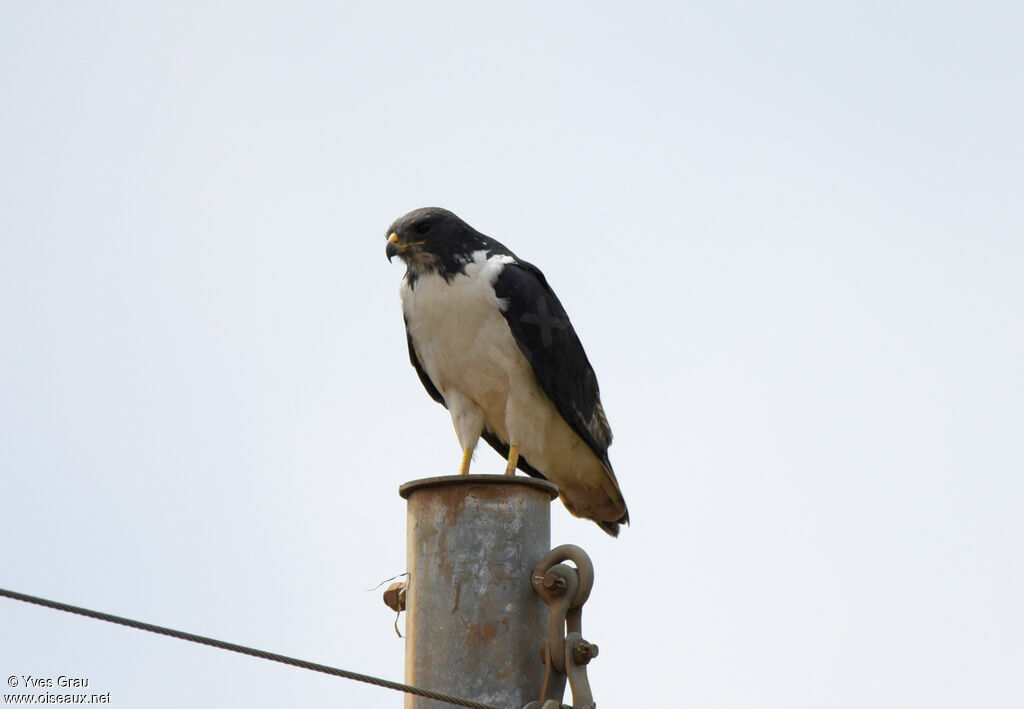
point(466, 348)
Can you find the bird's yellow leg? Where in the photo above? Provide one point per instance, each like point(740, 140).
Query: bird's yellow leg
point(513, 460)
point(467, 456)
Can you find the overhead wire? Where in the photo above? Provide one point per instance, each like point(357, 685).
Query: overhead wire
point(243, 650)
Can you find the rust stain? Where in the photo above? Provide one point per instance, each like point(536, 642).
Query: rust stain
point(442, 559)
point(480, 634)
point(458, 590)
point(453, 502)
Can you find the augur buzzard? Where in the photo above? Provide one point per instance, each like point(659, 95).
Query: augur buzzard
point(491, 342)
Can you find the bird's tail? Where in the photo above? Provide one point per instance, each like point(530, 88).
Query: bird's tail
point(612, 528)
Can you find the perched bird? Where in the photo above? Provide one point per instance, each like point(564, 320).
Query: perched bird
point(491, 342)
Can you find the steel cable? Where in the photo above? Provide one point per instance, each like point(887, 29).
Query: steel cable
point(243, 650)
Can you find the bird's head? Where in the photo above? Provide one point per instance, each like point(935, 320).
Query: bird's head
point(430, 238)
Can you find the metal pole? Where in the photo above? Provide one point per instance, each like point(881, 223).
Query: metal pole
point(474, 626)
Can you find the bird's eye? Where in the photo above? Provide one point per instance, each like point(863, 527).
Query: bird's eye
point(423, 227)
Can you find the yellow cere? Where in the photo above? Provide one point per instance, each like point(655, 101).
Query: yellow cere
point(393, 238)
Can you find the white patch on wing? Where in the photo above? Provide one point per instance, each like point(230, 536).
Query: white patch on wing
point(468, 351)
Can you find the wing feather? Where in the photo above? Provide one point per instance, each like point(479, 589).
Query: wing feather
point(547, 339)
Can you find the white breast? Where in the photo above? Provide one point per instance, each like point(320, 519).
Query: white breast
point(460, 335)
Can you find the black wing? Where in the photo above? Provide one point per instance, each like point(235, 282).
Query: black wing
point(424, 377)
point(547, 339)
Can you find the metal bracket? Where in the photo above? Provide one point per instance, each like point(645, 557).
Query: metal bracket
point(565, 653)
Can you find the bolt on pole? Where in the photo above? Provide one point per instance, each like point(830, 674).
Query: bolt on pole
point(474, 625)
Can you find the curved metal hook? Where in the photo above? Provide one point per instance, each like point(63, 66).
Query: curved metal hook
point(584, 568)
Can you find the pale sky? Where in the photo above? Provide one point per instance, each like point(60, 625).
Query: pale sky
point(789, 236)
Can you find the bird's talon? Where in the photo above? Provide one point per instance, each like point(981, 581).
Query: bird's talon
point(513, 460)
point(467, 457)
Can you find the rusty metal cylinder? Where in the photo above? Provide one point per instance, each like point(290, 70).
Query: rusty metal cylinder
point(474, 626)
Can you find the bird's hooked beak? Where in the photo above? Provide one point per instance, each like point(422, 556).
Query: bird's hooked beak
point(397, 247)
point(392, 248)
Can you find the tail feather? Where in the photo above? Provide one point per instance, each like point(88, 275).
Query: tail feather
point(612, 528)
